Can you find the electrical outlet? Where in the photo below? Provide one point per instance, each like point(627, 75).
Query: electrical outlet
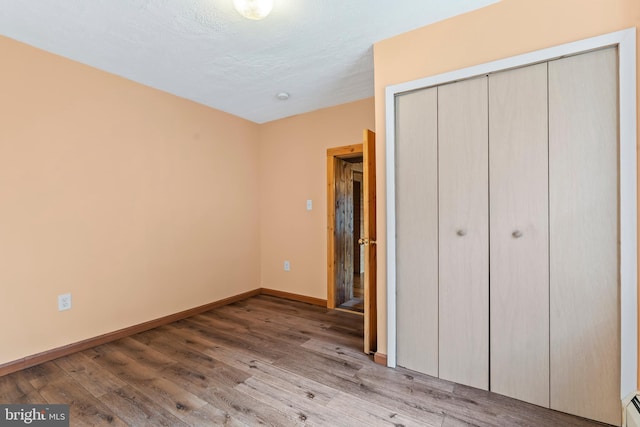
point(64, 302)
point(309, 205)
point(287, 266)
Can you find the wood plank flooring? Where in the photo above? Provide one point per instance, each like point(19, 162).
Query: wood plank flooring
point(262, 361)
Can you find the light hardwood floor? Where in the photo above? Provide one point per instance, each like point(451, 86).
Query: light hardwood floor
point(262, 361)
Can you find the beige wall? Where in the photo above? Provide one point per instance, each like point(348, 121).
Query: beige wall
point(142, 204)
point(293, 167)
point(502, 30)
point(139, 203)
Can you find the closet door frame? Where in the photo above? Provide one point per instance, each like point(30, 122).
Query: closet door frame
point(625, 41)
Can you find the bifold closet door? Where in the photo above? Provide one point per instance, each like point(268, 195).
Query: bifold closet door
point(463, 236)
point(583, 185)
point(417, 230)
point(519, 236)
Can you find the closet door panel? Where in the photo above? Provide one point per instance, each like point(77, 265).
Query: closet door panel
point(463, 236)
point(583, 146)
point(417, 231)
point(519, 234)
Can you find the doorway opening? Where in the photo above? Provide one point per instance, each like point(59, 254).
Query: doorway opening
point(351, 233)
point(349, 229)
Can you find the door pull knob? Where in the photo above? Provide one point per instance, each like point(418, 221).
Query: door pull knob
point(461, 232)
point(517, 234)
point(366, 241)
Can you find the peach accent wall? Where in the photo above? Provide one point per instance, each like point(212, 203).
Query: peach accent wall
point(139, 203)
point(504, 29)
point(293, 169)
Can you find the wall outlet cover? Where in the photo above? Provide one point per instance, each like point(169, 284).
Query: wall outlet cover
point(64, 302)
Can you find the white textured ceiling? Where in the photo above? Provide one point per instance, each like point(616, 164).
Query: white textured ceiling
point(319, 51)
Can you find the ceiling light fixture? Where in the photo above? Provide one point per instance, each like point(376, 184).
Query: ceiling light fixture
point(282, 96)
point(253, 9)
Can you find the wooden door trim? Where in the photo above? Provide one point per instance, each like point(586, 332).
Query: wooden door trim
point(344, 152)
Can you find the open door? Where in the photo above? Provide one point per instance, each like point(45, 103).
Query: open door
point(369, 240)
point(340, 256)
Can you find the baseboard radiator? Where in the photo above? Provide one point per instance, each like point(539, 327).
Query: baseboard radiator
point(631, 414)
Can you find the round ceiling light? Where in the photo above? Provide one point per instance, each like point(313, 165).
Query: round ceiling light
point(253, 9)
point(282, 96)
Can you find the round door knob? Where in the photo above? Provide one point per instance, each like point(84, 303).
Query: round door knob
point(517, 234)
point(461, 232)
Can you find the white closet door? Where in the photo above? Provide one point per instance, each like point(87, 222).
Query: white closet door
point(417, 230)
point(519, 236)
point(463, 236)
point(583, 148)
